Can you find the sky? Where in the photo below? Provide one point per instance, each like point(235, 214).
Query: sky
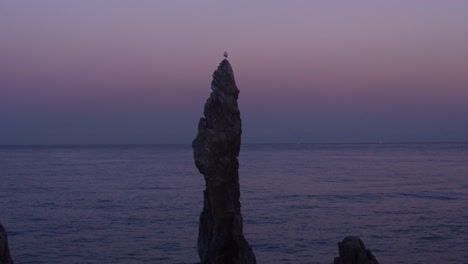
point(139, 72)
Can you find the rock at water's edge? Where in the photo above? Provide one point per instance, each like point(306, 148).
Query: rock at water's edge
point(353, 251)
point(5, 257)
point(216, 148)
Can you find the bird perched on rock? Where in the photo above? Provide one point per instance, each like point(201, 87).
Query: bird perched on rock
point(225, 54)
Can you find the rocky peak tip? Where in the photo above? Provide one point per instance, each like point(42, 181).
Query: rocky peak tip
point(225, 62)
point(223, 79)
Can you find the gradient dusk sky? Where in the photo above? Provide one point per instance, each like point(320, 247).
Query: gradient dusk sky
point(112, 72)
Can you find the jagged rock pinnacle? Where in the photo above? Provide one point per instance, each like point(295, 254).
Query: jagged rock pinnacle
point(216, 148)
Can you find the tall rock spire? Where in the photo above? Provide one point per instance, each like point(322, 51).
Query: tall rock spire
point(216, 148)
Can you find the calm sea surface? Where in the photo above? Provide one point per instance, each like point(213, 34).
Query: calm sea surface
point(140, 204)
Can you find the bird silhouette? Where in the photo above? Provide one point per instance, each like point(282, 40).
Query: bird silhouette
point(225, 54)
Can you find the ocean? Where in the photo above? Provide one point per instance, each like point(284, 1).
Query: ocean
point(140, 204)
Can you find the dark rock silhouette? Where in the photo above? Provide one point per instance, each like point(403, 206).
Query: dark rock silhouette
point(353, 251)
point(5, 257)
point(216, 148)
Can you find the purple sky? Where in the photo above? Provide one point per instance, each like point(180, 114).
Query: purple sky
point(309, 71)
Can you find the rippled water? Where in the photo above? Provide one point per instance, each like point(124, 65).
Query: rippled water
point(140, 204)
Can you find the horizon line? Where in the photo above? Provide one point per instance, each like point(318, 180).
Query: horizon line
point(247, 143)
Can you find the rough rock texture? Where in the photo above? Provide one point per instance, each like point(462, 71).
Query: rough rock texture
point(353, 251)
point(5, 257)
point(216, 148)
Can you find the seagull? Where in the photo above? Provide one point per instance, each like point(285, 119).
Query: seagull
point(225, 54)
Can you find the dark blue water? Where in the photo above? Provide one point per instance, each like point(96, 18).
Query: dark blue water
point(140, 204)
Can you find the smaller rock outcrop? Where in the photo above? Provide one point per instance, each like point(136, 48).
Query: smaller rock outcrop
point(5, 257)
point(353, 251)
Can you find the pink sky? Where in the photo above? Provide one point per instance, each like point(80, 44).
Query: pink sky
point(313, 71)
